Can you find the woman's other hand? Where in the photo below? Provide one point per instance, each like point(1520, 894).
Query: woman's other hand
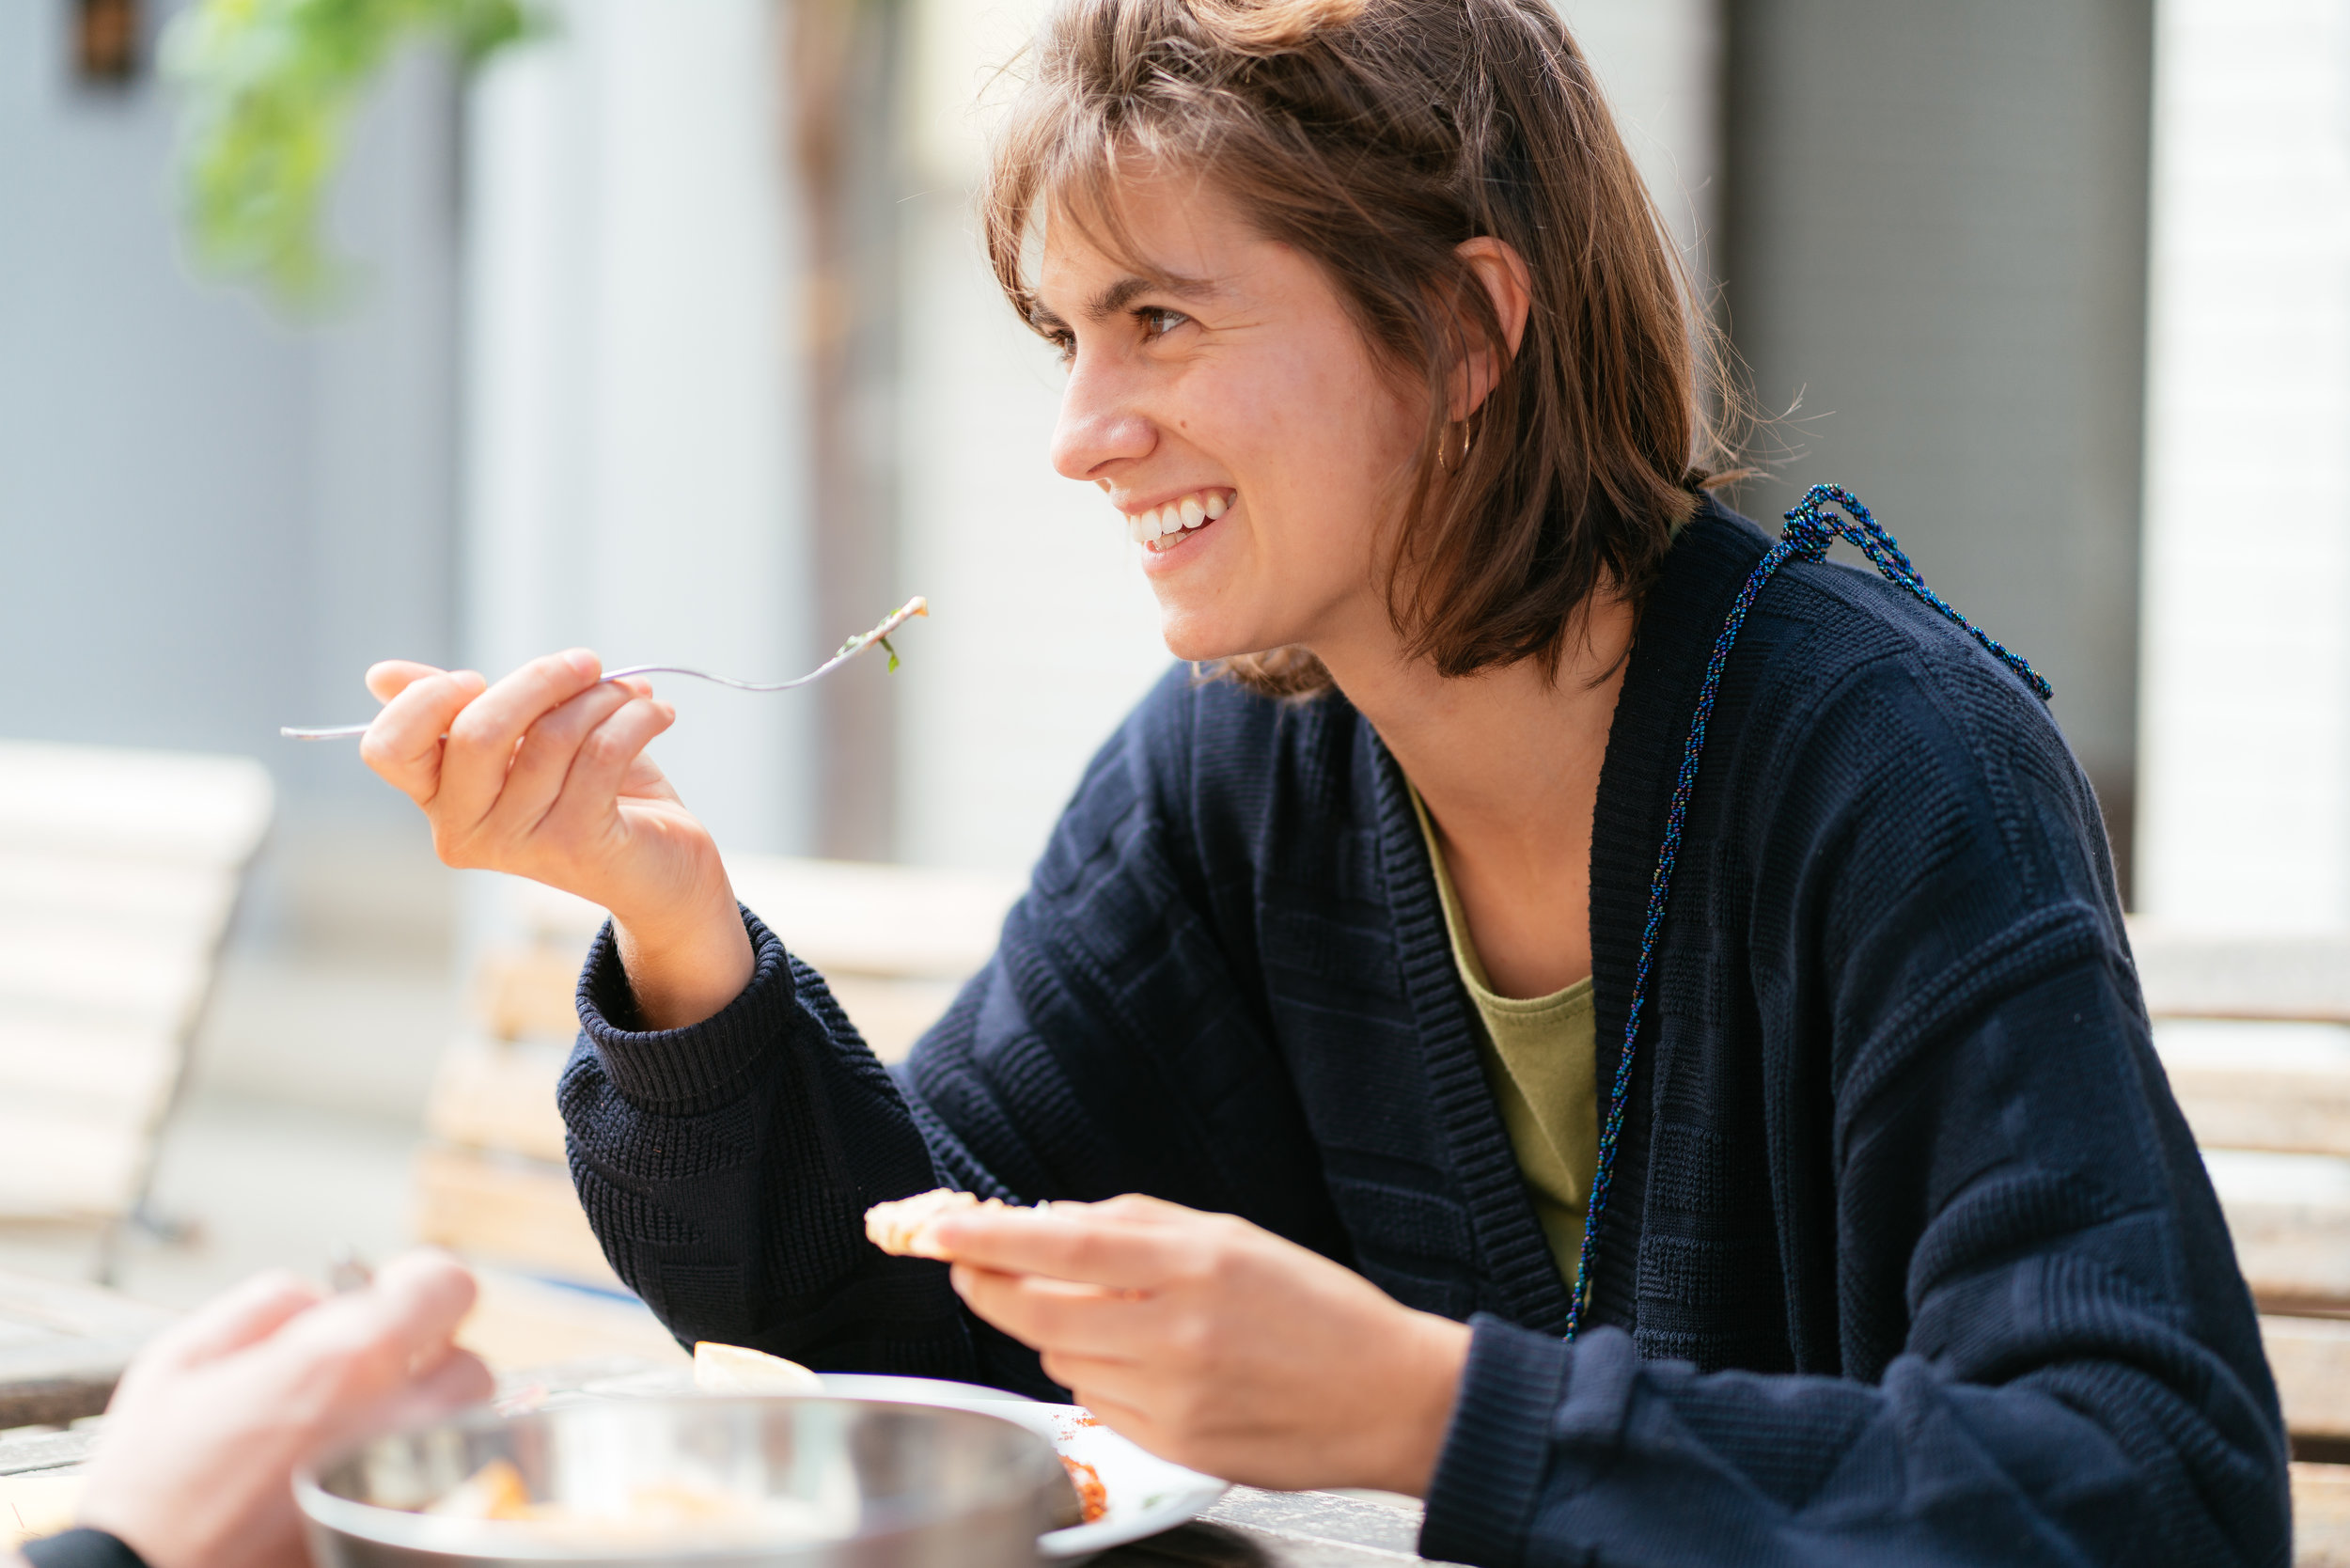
point(544, 775)
point(211, 1422)
point(1218, 1344)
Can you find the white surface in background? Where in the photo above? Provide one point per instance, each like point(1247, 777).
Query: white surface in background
point(2255, 1176)
point(1042, 632)
point(1659, 63)
point(2245, 709)
point(2229, 1045)
point(635, 469)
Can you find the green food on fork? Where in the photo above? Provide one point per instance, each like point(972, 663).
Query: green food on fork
point(849, 650)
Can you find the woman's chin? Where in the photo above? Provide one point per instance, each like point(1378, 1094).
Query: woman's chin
point(1188, 644)
point(1202, 635)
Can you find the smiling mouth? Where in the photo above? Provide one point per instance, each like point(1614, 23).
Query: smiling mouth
point(1163, 527)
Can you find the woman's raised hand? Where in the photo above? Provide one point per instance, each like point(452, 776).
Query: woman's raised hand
point(544, 775)
point(1215, 1343)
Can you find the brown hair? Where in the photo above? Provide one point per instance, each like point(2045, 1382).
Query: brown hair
point(1375, 137)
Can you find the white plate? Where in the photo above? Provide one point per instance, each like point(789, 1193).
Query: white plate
point(1145, 1494)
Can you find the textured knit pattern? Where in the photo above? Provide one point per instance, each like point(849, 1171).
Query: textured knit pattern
point(1910, 1257)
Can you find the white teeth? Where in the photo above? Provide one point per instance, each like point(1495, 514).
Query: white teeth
point(1192, 511)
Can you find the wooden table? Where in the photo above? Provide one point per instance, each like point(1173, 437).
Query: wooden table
point(1306, 1529)
point(66, 1343)
point(1247, 1529)
point(63, 1346)
point(1292, 1529)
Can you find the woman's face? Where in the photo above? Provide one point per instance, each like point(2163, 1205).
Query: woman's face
point(1243, 397)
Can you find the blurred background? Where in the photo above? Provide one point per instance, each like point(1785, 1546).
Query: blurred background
point(662, 328)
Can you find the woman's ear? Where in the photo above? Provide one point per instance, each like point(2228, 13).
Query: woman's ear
point(1510, 286)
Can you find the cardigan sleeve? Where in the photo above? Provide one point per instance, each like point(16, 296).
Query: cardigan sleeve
point(2049, 1355)
point(725, 1168)
point(1113, 1043)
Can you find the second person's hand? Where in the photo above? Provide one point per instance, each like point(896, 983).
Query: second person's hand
point(212, 1419)
point(543, 774)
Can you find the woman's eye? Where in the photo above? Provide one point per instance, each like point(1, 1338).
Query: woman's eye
point(1157, 321)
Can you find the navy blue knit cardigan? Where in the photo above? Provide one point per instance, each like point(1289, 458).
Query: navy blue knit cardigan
point(1910, 1258)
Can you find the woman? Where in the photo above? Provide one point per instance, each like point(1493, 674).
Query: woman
point(1902, 1251)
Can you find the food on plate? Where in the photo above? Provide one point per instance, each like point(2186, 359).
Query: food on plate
point(651, 1512)
point(737, 1370)
point(1094, 1498)
point(902, 1226)
point(496, 1491)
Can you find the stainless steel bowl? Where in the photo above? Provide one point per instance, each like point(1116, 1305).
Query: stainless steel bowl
point(799, 1482)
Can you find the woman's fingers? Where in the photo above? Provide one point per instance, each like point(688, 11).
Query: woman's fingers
point(1059, 1315)
point(1065, 1241)
point(483, 738)
point(404, 744)
point(603, 764)
point(544, 760)
point(1119, 1392)
point(387, 680)
point(1134, 1207)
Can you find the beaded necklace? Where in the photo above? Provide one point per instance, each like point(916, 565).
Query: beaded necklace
point(1810, 530)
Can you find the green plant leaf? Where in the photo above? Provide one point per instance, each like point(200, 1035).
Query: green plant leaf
point(268, 90)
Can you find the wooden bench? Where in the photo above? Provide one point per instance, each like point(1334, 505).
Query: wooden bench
point(63, 1346)
point(2254, 1033)
point(894, 942)
point(119, 871)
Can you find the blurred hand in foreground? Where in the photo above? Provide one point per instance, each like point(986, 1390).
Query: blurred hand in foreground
point(205, 1431)
point(1215, 1343)
point(544, 775)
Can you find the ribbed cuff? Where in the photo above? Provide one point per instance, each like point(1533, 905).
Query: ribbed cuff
point(684, 1071)
point(1482, 1500)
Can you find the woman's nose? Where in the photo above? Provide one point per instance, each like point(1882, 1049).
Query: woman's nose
point(1099, 427)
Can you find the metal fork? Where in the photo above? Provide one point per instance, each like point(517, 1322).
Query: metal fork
point(879, 635)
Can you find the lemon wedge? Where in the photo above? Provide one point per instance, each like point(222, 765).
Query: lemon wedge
point(735, 1370)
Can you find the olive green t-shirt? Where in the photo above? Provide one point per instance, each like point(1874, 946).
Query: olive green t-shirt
point(1541, 1061)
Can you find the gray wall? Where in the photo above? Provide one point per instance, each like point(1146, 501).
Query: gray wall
point(210, 523)
point(1936, 227)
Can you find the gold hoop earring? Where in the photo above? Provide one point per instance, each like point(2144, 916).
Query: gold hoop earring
point(1451, 462)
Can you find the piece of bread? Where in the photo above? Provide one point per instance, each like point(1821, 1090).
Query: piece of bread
point(735, 1370)
point(902, 1225)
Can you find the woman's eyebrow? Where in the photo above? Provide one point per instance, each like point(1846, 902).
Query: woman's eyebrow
point(1118, 295)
